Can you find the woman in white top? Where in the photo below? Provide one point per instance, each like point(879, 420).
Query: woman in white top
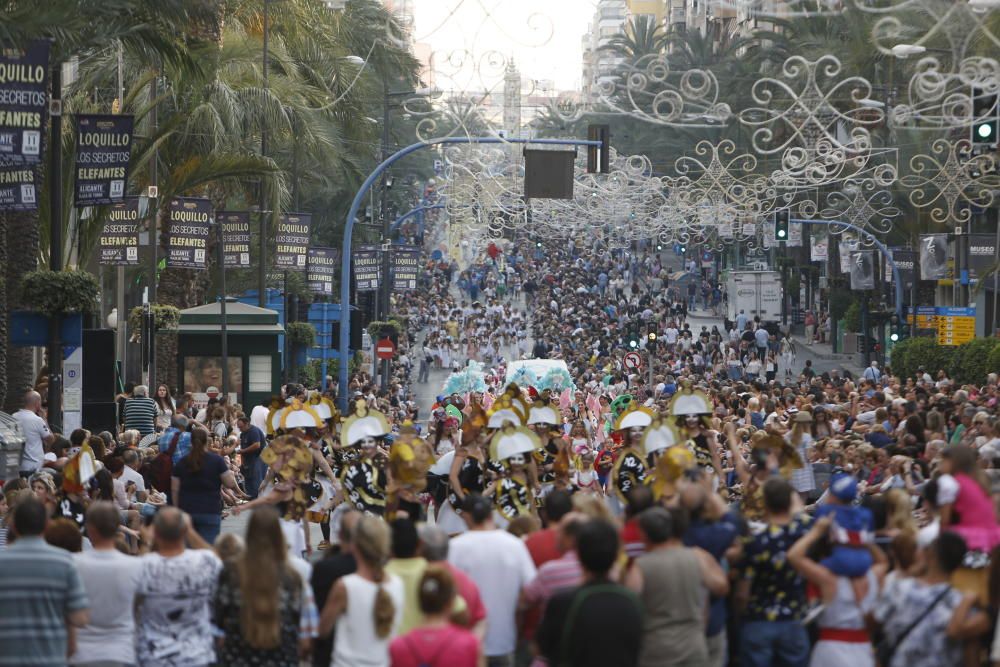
point(366, 606)
point(843, 636)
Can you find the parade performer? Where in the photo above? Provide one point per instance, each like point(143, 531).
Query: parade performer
point(668, 458)
point(692, 411)
point(410, 457)
point(364, 480)
point(512, 494)
point(466, 471)
point(630, 470)
point(544, 421)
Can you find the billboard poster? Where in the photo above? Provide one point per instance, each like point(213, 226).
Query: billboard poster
point(292, 241)
point(323, 265)
point(845, 248)
point(187, 240)
point(862, 269)
point(235, 238)
point(819, 250)
point(794, 235)
point(982, 254)
point(366, 268)
point(906, 264)
point(203, 377)
point(934, 257)
point(119, 242)
point(405, 267)
point(24, 101)
point(17, 189)
point(103, 151)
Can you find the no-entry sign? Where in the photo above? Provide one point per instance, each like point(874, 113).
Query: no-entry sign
point(633, 361)
point(385, 349)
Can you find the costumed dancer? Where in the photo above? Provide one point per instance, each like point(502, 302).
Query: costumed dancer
point(410, 458)
point(692, 410)
point(630, 470)
point(550, 456)
point(364, 479)
point(668, 459)
point(465, 468)
point(290, 464)
point(512, 494)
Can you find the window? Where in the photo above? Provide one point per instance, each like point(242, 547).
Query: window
point(260, 374)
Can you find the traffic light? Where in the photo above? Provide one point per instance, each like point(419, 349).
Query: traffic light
point(900, 329)
point(599, 157)
point(633, 335)
point(781, 225)
point(651, 336)
point(684, 249)
point(985, 118)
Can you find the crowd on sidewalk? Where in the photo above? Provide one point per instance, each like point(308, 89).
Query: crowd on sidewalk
point(711, 512)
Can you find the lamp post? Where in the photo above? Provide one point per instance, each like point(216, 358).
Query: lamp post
point(262, 268)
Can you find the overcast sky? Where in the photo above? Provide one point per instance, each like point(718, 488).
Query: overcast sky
point(544, 47)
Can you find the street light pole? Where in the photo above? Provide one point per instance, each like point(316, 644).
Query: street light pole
point(55, 352)
point(385, 289)
point(262, 268)
point(221, 260)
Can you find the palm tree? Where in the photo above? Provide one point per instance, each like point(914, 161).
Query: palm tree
point(77, 28)
point(641, 37)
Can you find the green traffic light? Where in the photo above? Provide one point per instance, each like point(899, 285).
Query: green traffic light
point(894, 337)
point(985, 131)
point(633, 343)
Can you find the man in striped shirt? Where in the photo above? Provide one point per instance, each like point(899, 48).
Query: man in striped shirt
point(41, 594)
point(140, 411)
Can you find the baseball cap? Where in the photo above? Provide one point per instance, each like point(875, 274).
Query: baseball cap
point(844, 487)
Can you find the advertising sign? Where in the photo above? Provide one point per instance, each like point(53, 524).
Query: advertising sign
point(906, 264)
point(187, 240)
point(405, 267)
point(119, 240)
point(934, 257)
point(292, 241)
point(17, 189)
point(982, 254)
point(862, 270)
point(103, 151)
point(366, 268)
point(323, 265)
point(24, 90)
point(235, 238)
point(820, 249)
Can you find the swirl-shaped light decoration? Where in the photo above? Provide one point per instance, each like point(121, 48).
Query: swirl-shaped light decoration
point(950, 181)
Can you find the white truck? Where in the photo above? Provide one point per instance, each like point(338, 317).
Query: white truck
point(756, 293)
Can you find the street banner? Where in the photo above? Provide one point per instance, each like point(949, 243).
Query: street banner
point(862, 270)
point(794, 235)
point(292, 241)
point(24, 90)
point(906, 264)
point(235, 238)
point(405, 267)
point(820, 249)
point(17, 189)
point(120, 237)
point(726, 230)
point(934, 257)
point(103, 151)
point(322, 267)
point(768, 235)
point(846, 247)
point(982, 254)
point(187, 239)
point(366, 268)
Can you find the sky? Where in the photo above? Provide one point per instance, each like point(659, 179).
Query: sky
point(542, 36)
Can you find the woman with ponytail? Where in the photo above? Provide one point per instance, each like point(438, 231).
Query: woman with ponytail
point(259, 600)
point(366, 606)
